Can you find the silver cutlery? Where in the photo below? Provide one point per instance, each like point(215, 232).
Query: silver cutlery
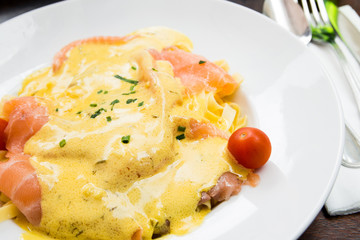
point(323, 32)
point(311, 22)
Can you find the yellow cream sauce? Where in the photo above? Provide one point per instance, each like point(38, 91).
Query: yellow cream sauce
point(96, 186)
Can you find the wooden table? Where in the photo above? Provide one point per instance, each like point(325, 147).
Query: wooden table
point(324, 226)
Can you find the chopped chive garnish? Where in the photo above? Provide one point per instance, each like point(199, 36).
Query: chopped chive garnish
point(202, 62)
point(62, 143)
point(106, 92)
point(131, 100)
point(133, 67)
point(180, 137)
point(108, 118)
point(132, 92)
point(101, 161)
point(126, 80)
point(79, 233)
point(97, 113)
point(132, 87)
point(93, 105)
point(140, 104)
point(79, 112)
point(125, 139)
point(56, 110)
point(100, 91)
point(154, 69)
point(181, 129)
point(113, 103)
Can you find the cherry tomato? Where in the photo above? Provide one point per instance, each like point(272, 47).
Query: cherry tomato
point(3, 125)
point(250, 147)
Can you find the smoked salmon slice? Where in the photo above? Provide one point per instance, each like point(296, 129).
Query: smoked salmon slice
point(3, 125)
point(200, 130)
point(227, 185)
point(19, 182)
point(18, 179)
point(26, 117)
point(196, 72)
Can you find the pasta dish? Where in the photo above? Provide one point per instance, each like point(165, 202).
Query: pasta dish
point(121, 138)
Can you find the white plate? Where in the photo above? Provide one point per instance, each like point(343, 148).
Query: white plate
point(285, 93)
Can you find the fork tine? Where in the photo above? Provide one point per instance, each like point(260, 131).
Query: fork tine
point(323, 11)
point(315, 13)
point(306, 9)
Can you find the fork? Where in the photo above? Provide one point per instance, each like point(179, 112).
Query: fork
point(324, 32)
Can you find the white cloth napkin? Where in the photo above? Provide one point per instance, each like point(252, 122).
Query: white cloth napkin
point(344, 197)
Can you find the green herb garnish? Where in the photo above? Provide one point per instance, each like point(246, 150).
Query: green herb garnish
point(108, 118)
point(100, 91)
point(126, 80)
point(180, 137)
point(79, 112)
point(93, 105)
point(106, 92)
point(62, 143)
point(97, 113)
point(113, 103)
point(154, 69)
point(125, 139)
point(202, 62)
point(140, 104)
point(181, 129)
point(131, 100)
point(101, 161)
point(79, 233)
point(56, 110)
point(132, 92)
point(133, 67)
point(132, 87)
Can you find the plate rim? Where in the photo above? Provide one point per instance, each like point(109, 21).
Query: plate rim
point(336, 168)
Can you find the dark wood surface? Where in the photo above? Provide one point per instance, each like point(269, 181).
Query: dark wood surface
point(324, 226)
